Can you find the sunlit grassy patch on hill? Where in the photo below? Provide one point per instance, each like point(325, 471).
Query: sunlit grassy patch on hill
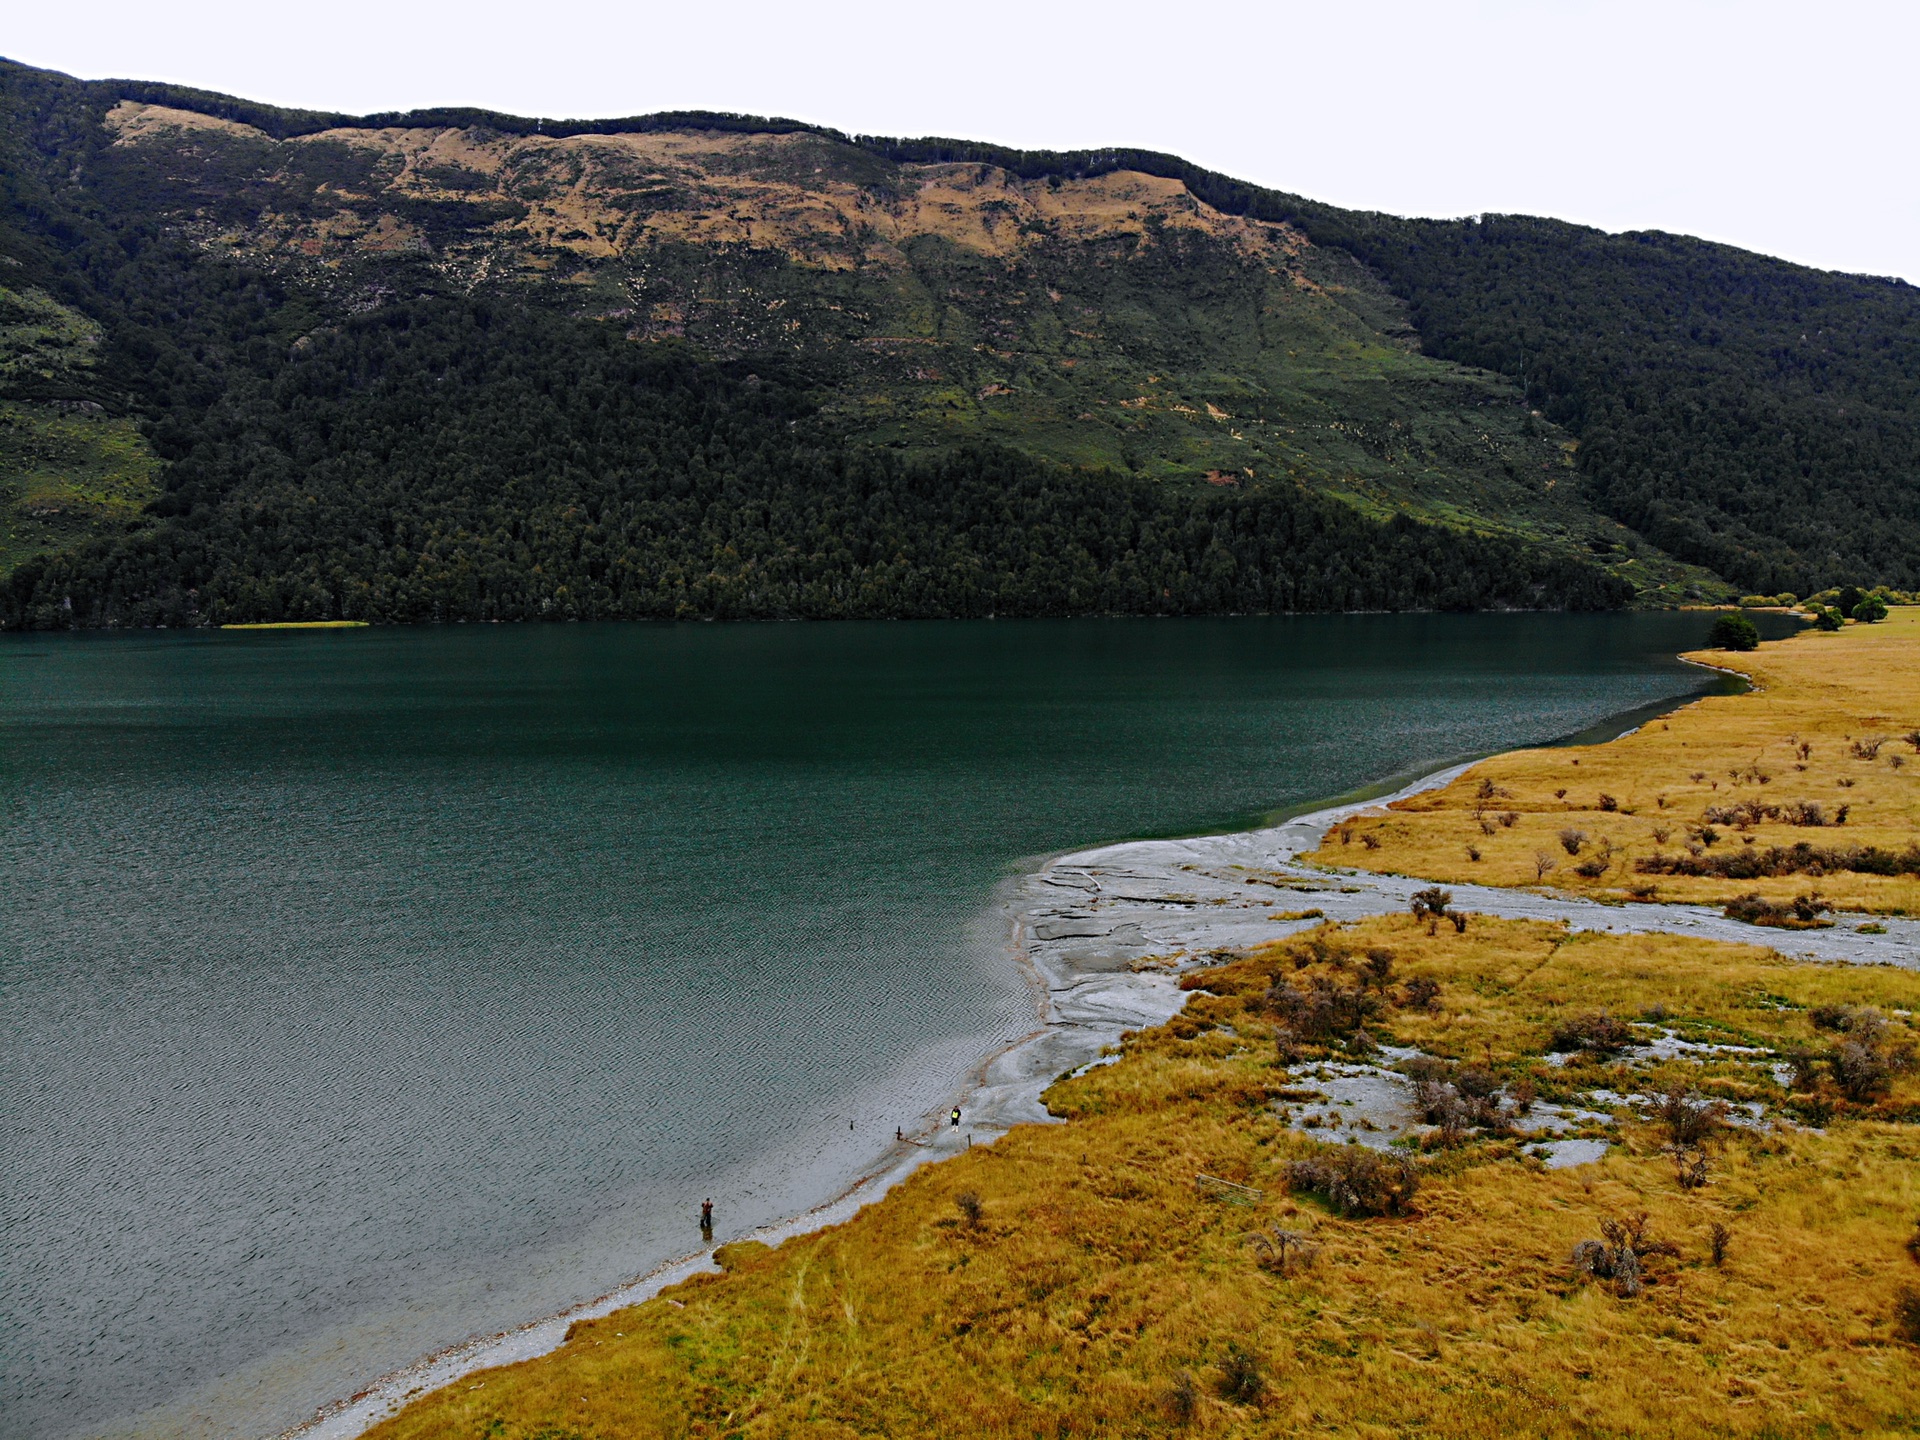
point(1169, 1260)
point(1808, 785)
point(68, 472)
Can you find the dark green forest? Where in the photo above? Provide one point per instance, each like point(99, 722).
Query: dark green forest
point(451, 453)
point(448, 459)
point(1752, 416)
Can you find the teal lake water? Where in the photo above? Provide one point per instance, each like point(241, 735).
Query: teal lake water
point(364, 991)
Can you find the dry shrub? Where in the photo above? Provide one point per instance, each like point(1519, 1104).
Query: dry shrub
point(1282, 1252)
point(1594, 1031)
point(1864, 1063)
point(1182, 1400)
point(1358, 1181)
point(1745, 814)
point(1431, 902)
point(1689, 1167)
point(1860, 1069)
point(1422, 992)
point(1243, 1375)
point(1718, 1237)
point(1690, 1118)
point(1800, 913)
point(1618, 1256)
point(1805, 1065)
point(968, 1204)
point(1799, 858)
point(1320, 1010)
point(1457, 1099)
point(1906, 1314)
point(1286, 1046)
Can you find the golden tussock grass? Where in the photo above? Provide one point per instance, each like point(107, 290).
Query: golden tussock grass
point(1791, 740)
point(1101, 1290)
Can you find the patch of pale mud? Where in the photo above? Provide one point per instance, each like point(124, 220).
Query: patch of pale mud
point(1565, 1154)
point(1371, 1104)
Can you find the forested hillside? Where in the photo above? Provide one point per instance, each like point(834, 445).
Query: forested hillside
point(454, 365)
point(1753, 416)
point(1748, 414)
point(443, 459)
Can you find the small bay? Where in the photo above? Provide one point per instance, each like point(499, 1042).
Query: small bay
point(364, 991)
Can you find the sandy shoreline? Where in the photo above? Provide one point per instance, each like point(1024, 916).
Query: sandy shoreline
point(1102, 936)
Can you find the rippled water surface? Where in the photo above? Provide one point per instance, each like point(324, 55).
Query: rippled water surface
point(361, 991)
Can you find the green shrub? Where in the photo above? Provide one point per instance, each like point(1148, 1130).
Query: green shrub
point(1733, 632)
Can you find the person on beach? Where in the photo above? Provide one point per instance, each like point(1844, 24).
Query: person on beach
point(954, 1119)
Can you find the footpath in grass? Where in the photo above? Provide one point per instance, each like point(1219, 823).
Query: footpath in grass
point(1804, 792)
point(1185, 1255)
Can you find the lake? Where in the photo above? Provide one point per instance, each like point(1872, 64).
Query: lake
point(365, 990)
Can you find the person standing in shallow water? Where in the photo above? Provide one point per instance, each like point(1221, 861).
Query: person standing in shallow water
point(706, 1217)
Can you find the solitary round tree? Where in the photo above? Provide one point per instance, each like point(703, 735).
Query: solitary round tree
point(1733, 632)
point(1870, 609)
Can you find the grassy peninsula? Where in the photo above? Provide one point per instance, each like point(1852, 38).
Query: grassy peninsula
point(1207, 1246)
point(1807, 786)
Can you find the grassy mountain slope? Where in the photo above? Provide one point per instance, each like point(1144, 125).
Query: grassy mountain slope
point(68, 470)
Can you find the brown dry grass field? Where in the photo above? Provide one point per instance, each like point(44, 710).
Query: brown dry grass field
point(1831, 729)
point(1078, 1279)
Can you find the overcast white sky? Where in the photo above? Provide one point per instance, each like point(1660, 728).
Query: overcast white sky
point(1785, 128)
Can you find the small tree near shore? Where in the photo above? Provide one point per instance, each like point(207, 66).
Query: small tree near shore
point(1733, 632)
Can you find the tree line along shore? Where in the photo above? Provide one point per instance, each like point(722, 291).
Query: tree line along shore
point(1186, 1254)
